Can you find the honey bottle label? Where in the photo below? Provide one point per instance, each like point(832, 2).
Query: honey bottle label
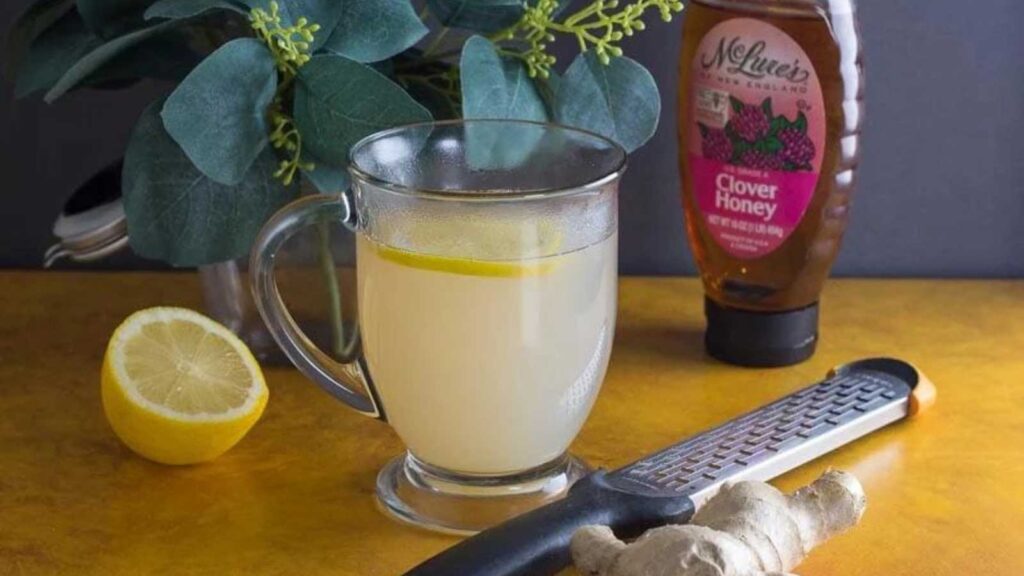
point(757, 135)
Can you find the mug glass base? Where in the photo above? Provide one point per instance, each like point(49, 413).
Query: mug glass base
point(417, 493)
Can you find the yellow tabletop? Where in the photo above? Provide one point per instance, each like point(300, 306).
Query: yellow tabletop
point(946, 491)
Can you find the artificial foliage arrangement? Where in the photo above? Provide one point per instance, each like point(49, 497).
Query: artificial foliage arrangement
point(269, 93)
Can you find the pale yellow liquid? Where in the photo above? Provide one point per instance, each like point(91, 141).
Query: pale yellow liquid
point(488, 373)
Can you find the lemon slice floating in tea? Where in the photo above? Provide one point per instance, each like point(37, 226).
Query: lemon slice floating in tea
point(478, 247)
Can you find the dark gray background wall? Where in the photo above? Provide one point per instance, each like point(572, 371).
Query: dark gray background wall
point(940, 194)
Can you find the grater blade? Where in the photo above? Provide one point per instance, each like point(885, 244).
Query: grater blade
point(774, 439)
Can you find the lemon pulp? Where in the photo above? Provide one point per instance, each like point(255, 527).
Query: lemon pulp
point(175, 365)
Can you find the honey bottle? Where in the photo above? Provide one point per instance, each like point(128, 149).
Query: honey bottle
point(771, 108)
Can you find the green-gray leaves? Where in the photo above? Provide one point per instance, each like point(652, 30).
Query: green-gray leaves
point(373, 30)
point(101, 55)
point(52, 53)
point(175, 9)
point(69, 51)
point(178, 215)
point(30, 24)
point(200, 177)
point(218, 113)
point(493, 87)
point(327, 178)
point(109, 18)
point(619, 100)
point(339, 101)
point(480, 15)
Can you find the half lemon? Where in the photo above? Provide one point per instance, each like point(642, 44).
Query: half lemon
point(179, 388)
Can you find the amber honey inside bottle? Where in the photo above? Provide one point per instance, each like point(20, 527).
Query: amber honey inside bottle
point(770, 116)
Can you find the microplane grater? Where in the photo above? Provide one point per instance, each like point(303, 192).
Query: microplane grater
point(668, 486)
point(775, 438)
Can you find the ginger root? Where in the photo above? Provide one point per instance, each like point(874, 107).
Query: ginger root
point(747, 529)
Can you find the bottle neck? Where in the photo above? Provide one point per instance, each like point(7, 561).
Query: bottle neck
point(786, 7)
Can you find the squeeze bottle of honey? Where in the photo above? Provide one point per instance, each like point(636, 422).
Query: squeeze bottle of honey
point(771, 107)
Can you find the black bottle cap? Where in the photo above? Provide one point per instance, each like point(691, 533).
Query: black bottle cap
point(760, 339)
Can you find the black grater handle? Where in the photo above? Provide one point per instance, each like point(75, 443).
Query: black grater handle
point(538, 541)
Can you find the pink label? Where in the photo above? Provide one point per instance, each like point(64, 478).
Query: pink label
point(758, 135)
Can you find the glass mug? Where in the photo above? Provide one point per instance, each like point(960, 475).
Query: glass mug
point(486, 265)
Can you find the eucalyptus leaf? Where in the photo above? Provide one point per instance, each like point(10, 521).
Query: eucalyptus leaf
point(166, 57)
point(218, 112)
point(177, 9)
point(619, 100)
point(178, 215)
point(484, 16)
point(425, 80)
point(497, 88)
point(51, 54)
point(111, 18)
point(39, 16)
point(100, 56)
point(327, 177)
point(442, 106)
point(326, 13)
point(374, 30)
point(548, 90)
point(385, 67)
point(339, 101)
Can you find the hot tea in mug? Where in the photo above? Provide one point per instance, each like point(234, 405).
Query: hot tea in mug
point(486, 266)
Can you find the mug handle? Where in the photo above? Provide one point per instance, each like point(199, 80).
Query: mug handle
point(339, 379)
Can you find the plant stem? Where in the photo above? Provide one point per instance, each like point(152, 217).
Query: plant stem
point(425, 13)
point(585, 12)
point(333, 293)
point(436, 42)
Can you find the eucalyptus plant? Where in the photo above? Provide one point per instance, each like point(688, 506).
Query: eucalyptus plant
point(272, 92)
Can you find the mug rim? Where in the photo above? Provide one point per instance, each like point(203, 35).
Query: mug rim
point(600, 181)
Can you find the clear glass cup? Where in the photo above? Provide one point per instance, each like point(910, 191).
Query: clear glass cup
point(486, 272)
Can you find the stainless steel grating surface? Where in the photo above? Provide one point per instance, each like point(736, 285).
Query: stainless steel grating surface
point(776, 430)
